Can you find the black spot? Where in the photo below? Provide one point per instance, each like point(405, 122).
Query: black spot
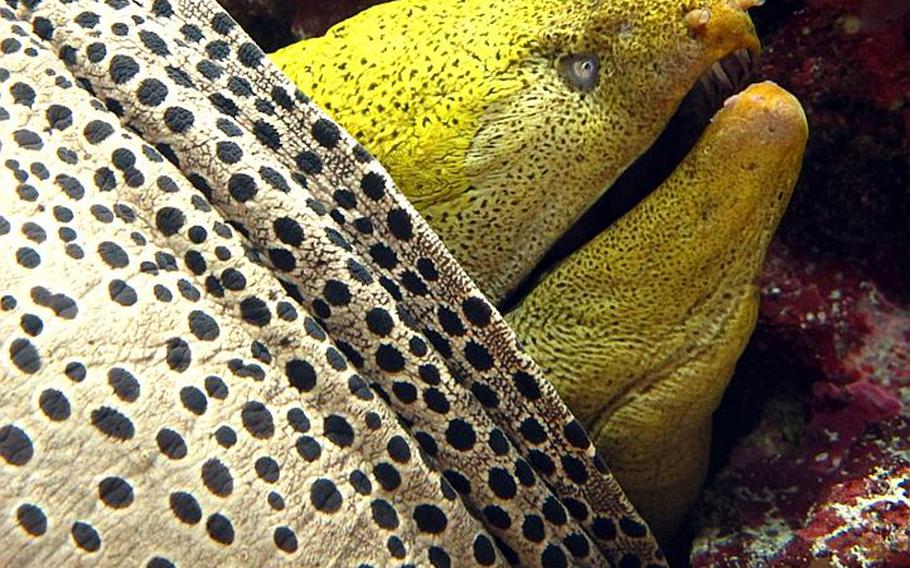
point(404, 391)
point(29, 140)
point(125, 385)
point(179, 356)
point(478, 356)
point(603, 528)
point(32, 519)
point(242, 187)
point(575, 434)
point(255, 312)
point(70, 186)
point(25, 356)
point(59, 117)
point(217, 478)
point(575, 469)
point(336, 293)
point(436, 401)
point(484, 553)
point(113, 255)
point(387, 476)
point(225, 436)
point(159, 562)
point(632, 528)
point(300, 374)
point(553, 557)
point(338, 430)
point(326, 133)
point(154, 43)
point(113, 423)
point(267, 469)
point(22, 94)
point(185, 507)
point(215, 387)
point(430, 518)
point(578, 545)
point(373, 186)
point(308, 448)
point(257, 420)
point(220, 529)
point(384, 514)
point(498, 442)
point(398, 449)
point(178, 119)
point(115, 492)
point(395, 547)
point(121, 292)
point(54, 405)
point(15, 445)
point(526, 385)
point(439, 558)
point(485, 395)
point(542, 462)
point(325, 496)
point(193, 400)
point(171, 444)
point(497, 516)
point(75, 371)
point(460, 435)
point(123, 68)
point(576, 508)
point(389, 358)
point(267, 135)
point(85, 536)
point(532, 431)
point(234, 280)
point(203, 326)
point(308, 162)
point(276, 501)
point(162, 9)
point(399, 222)
point(249, 54)
point(285, 539)
point(379, 321)
point(501, 483)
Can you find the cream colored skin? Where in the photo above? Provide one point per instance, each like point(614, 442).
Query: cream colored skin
point(640, 329)
point(464, 103)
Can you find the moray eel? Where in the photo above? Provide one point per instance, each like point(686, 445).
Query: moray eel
point(641, 328)
point(505, 122)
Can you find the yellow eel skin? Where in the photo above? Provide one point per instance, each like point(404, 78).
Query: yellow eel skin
point(639, 330)
point(463, 102)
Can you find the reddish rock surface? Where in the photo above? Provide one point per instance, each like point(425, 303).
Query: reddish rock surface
point(821, 476)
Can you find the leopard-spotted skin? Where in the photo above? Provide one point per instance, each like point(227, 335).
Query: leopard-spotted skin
point(228, 339)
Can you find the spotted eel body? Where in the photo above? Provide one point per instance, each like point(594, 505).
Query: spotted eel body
point(228, 339)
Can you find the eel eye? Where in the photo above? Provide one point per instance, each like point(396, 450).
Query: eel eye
point(581, 71)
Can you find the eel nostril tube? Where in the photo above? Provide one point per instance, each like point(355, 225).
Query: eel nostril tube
point(698, 18)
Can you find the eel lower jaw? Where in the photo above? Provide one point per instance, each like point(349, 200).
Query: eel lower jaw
point(725, 78)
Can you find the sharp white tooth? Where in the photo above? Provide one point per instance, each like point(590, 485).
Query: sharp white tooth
point(721, 75)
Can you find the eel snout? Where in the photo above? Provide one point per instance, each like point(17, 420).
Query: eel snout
point(641, 328)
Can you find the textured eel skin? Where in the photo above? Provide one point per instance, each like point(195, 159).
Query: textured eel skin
point(466, 104)
point(227, 339)
point(641, 328)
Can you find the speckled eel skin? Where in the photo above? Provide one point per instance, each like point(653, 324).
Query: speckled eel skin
point(227, 338)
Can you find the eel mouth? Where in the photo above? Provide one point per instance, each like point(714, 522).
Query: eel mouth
point(724, 78)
